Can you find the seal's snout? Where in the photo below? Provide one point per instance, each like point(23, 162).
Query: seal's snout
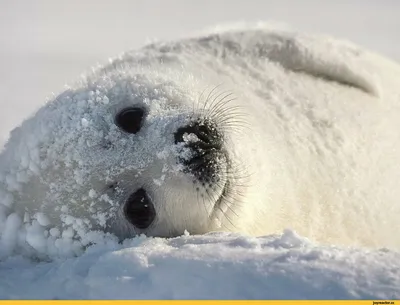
point(199, 135)
point(204, 140)
point(139, 210)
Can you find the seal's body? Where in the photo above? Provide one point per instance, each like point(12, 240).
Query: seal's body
point(251, 131)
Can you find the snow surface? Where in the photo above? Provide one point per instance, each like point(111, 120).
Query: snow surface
point(216, 265)
point(212, 266)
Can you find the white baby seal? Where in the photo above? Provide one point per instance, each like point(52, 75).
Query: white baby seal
point(252, 130)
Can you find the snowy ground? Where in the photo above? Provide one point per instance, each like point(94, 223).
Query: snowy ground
point(214, 266)
point(44, 45)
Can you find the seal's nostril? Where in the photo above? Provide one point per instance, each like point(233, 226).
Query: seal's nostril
point(205, 133)
point(139, 210)
point(130, 119)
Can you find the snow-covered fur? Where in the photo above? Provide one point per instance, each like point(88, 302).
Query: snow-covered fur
point(310, 131)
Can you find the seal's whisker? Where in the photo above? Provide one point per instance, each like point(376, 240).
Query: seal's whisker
point(199, 100)
point(214, 101)
point(223, 106)
point(229, 112)
point(225, 100)
point(234, 118)
point(210, 94)
point(230, 204)
point(212, 197)
point(234, 124)
point(222, 102)
point(204, 203)
point(234, 121)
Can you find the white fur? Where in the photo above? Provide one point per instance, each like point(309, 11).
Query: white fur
point(315, 143)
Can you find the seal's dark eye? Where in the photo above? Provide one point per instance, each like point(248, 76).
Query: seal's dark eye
point(130, 119)
point(139, 210)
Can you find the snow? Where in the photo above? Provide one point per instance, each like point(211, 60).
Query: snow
point(212, 266)
point(215, 265)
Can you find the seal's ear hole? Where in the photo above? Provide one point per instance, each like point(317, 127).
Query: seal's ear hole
point(130, 119)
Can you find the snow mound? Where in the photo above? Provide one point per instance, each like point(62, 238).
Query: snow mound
point(212, 266)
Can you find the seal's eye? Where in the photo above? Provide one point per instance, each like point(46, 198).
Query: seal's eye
point(130, 119)
point(139, 210)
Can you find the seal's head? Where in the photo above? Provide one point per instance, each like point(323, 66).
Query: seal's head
point(184, 180)
point(128, 155)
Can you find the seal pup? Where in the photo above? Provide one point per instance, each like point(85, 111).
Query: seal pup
point(303, 133)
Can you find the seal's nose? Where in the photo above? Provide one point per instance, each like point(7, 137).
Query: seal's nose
point(139, 210)
point(207, 135)
point(205, 143)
